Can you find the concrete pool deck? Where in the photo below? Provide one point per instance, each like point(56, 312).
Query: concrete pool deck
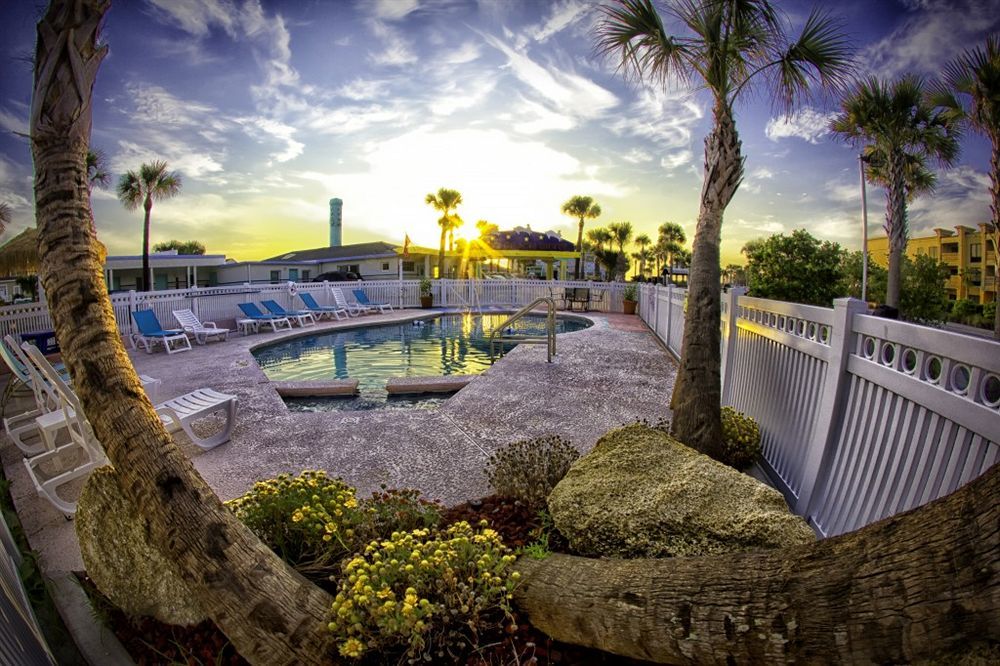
point(602, 377)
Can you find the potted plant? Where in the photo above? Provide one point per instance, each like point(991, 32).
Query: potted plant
point(629, 300)
point(426, 297)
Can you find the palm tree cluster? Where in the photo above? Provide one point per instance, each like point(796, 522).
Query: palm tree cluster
point(446, 201)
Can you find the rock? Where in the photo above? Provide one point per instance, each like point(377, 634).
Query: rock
point(120, 560)
point(641, 493)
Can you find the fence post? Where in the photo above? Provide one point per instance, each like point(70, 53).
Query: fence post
point(730, 325)
point(670, 312)
point(194, 301)
point(831, 400)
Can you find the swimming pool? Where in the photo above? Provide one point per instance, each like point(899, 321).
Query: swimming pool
point(445, 345)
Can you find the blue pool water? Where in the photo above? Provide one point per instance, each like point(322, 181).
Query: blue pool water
point(446, 345)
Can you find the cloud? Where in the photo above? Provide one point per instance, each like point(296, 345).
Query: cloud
point(533, 118)
point(808, 124)
point(13, 123)
point(178, 156)
point(363, 89)
point(637, 156)
point(676, 160)
point(197, 17)
point(563, 15)
point(962, 196)
point(664, 118)
point(936, 31)
point(263, 128)
point(396, 51)
point(393, 10)
point(156, 106)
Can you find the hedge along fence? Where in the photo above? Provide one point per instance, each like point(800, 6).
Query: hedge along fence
point(861, 417)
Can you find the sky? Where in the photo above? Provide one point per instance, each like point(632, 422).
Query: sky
point(267, 109)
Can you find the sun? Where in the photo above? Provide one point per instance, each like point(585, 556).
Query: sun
point(467, 232)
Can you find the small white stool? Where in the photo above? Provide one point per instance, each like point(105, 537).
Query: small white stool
point(151, 386)
point(246, 326)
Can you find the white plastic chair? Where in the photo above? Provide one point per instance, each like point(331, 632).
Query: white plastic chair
point(32, 430)
point(353, 309)
point(201, 330)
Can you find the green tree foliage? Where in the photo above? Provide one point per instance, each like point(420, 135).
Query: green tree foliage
point(182, 247)
point(6, 213)
point(797, 268)
point(852, 277)
point(923, 297)
point(444, 201)
point(582, 208)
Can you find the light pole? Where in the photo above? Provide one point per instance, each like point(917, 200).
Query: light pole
point(864, 231)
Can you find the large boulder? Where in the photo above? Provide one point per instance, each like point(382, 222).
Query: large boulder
point(641, 493)
point(124, 566)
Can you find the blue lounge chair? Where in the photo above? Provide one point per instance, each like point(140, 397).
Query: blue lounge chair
point(362, 299)
point(253, 313)
point(302, 316)
point(150, 332)
point(320, 310)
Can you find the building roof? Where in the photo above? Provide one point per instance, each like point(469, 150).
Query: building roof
point(525, 239)
point(354, 251)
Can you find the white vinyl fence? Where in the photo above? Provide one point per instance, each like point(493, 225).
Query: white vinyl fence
point(219, 304)
point(861, 417)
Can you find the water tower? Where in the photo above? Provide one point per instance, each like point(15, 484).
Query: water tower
point(336, 222)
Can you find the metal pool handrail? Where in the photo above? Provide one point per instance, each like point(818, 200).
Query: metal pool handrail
point(496, 335)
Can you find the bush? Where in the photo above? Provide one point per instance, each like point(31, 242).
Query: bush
point(741, 445)
point(314, 522)
point(423, 593)
point(964, 311)
point(528, 470)
point(989, 314)
point(309, 520)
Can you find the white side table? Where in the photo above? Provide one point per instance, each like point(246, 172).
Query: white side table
point(151, 386)
point(246, 326)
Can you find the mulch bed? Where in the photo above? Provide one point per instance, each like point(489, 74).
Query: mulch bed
point(151, 642)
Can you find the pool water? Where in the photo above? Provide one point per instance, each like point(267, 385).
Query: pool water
point(446, 345)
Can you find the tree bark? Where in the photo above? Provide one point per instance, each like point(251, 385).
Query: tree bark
point(270, 613)
point(147, 207)
point(697, 396)
point(579, 246)
point(995, 210)
point(444, 232)
point(895, 226)
point(909, 588)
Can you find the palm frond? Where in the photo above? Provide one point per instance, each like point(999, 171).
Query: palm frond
point(632, 33)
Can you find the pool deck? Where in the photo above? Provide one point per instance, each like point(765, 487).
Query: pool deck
point(604, 376)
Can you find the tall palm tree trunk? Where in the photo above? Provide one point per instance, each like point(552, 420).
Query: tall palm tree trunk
point(148, 207)
point(697, 416)
point(895, 226)
point(577, 274)
point(270, 613)
point(995, 209)
point(444, 234)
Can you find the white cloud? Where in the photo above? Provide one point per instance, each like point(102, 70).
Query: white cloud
point(665, 119)
point(197, 17)
point(938, 31)
point(363, 89)
point(676, 160)
point(261, 128)
point(637, 156)
point(563, 15)
point(396, 50)
point(13, 123)
point(455, 96)
point(808, 124)
point(156, 106)
point(962, 196)
point(178, 156)
point(532, 118)
point(765, 226)
point(393, 10)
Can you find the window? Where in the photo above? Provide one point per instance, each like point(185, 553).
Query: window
point(305, 275)
point(949, 248)
point(293, 274)
point(408, 266)
point(976, 252)
point(275, 276)
point(953, 270)
point(385, 265)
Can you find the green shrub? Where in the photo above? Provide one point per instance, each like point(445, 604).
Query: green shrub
point(989, 314)
point(741, 444)
point(630, 292)
point(528, 470)
point(425, 286)
point(964, 310)
point(309, 520)
point(422, 592)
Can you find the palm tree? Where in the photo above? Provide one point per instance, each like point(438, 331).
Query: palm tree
point(456, 222)
point(256, 599)
point(621, 234)
point(486, 228)
point(971, 93)
point(899, 130)
point(98, 174)
point(152, 182)
point(731, 49)
point(444, 201)
point(6, 213)
point(643, 241)
point(598, 238)
point(672, 238)
point(583, 208)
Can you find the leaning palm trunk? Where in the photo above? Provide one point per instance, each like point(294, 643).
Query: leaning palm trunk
point(578, 271)
point(697, 397)
point(912, 588)
point(895, 226)
point(444, 235)
point(270, 613)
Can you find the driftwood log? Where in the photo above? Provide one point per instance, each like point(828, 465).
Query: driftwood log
point(909, 588)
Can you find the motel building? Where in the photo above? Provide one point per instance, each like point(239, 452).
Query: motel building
point(518, 252)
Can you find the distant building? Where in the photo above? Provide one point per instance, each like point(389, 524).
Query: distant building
point(170, 270)
point(968, 252)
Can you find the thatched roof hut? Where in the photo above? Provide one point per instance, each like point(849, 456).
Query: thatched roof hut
point(19, 256)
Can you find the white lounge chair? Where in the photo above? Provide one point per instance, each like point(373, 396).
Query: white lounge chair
point(201, 330)
point(28, 430)
point(353, 309)
point(180, 413)
point(53, 469)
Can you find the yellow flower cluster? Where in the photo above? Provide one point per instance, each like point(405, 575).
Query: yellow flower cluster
point(309, 518)
point(406, 591)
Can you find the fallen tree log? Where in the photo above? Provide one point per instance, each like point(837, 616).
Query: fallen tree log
point(908, 588)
